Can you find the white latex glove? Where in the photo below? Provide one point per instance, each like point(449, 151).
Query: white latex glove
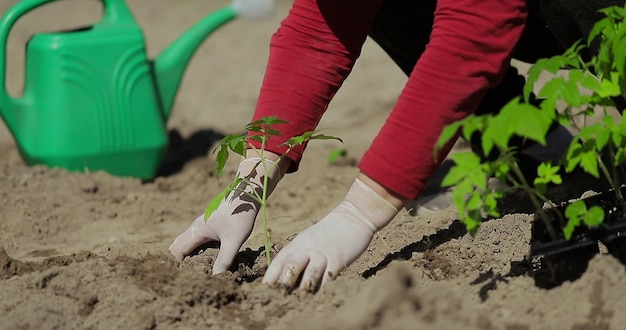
point(231, 223)
point(323, 250)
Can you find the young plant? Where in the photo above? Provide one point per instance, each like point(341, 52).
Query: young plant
point(264, 129)
point(598, 149)
point(336, 154)
point(577, 214)
point(588, 86)
point(470, 176)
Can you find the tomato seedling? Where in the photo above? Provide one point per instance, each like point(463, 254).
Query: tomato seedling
point(598, 149)
point(263, 129)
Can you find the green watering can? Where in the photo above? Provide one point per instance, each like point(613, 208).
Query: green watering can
point(92, 99)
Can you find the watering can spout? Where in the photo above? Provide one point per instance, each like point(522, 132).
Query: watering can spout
point(170, 65)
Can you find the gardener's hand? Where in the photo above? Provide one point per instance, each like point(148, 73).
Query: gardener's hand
point(323, 250)
point(232, 222)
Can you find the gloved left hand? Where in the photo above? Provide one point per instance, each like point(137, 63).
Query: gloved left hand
point(233, 220)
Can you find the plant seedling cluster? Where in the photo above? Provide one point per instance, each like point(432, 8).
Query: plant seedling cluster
point(599, 149)
point(262, 130)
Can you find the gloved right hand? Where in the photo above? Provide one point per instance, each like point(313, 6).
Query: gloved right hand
point(326, 248)
point(232, 222)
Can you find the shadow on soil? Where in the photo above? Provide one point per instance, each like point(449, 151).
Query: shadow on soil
point(456, 230)
point(575, 184)
point(181, 150)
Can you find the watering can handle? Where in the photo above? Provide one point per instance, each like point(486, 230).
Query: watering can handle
point(115, 12)
point(8, 20)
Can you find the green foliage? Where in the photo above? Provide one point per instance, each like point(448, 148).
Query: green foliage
point(239, 143)
point(576, 88)
point(334, 155)
point(470, 176)
point(547, 174)
point(308, 136)
point(611, 33)
point(215, 202)
point(577, 213)
point(262, 129)
point(472, 195)
point(234, 143)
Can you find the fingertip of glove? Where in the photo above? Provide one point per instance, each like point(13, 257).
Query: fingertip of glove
point(220, 267)
point(218, 270)
point(177, 256)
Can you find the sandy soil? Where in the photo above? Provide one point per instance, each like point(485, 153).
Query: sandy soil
point(89, 251)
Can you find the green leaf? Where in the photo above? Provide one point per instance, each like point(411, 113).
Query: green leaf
point(255, 128)
point(221, 159)
point(472, 222)
point(617, 135)
point(336, 154)
point(597, 29)
point(258, 138)
point(569, 228)
point(589, 81)
point(496, 134)
point(467, 160)
point(619, 53)
point(490, 204)
point(235, 142)
point(272, 132)
point(529, 122)
point(550, 65)
point(549, 172)
point(574, 154)
point(575, 209)
point(474, 123)
point(454, 176)
point(474, 202)
point(458, 196)
point(553, 88)
point(450, 131)
point(263, 123)
point(307, 136)
point(608, 88)
point(500, 166)
point(325, 137)
point(594, 217)
point(603, 138)
point(215, 202)
point(573, 213)
point(238, 145)
point(620, 157)
point(546, 174)
point(516, 118)
point(577, 213)
point(466, 164)
point(589, 163)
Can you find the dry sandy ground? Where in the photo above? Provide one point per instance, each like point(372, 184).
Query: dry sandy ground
point(89, 251)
